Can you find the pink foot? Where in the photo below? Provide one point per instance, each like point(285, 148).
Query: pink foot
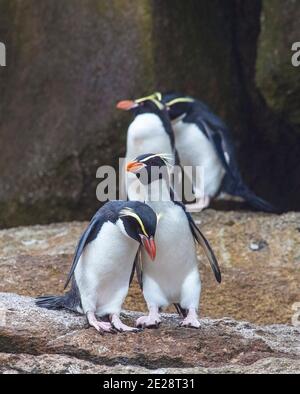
point(191, 322)
point(199, 205)
point(150, 321)
point(100, 326)
point(121, 327)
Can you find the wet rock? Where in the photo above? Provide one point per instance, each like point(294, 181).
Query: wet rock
point(60, 342)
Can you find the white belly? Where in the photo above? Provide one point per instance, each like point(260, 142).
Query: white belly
point(195, 149)
point(164, 278)
point(146, 134)
point(104, 269)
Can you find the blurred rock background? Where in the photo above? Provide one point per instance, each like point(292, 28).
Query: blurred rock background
point(69, 62)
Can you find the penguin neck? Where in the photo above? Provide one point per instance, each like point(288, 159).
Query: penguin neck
point(158, 190)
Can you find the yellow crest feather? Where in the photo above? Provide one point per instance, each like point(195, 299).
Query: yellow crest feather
point(130, 212)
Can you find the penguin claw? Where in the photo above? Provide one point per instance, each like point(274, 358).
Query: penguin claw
point(146, 322)
point(190, 323)
point(124, 328)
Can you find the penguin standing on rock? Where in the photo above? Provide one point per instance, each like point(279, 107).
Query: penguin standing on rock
point(203, 140)
point(103, 264)
point(150, 131)
point(174, 278)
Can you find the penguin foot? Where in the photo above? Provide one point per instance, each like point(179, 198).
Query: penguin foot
point(150, 321)
point(190, 322)
point(199, 205)
point(103, 327)
point(100, 326)
point(121, 327)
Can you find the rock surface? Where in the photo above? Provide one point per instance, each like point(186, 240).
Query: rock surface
point(259, 256)
point(68, 64)
point(41, 341)
point(276, 77)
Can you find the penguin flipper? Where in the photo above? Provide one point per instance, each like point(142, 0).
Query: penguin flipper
point(199, 237)
point(219, 142)
point(89, 234)
point(138, 264)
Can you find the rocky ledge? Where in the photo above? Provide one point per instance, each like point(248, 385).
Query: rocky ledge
point(34, 340)
point(259, 255)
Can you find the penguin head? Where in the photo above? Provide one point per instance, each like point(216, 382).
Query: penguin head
point(150, 167)
point(148, 104)
point(139, 221)
point(177, 104)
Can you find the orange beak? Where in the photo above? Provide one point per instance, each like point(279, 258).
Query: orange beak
point(126, 105)
point(134, 166)
point(149, 245)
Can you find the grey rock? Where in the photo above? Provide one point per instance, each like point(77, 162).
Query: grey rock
point(34, 340)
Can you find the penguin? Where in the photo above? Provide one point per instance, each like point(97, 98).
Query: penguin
point(102, 267)
point(202, 139)
point(149, 131)
point(174, 278)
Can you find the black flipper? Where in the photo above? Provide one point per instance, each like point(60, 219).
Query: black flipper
point(139, 268)
point(216, 139)
point(199, 237)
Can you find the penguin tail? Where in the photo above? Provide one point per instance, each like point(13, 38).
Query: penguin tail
point(181, 311)
point(50, 302)
point(256, 202)
point(235, 186)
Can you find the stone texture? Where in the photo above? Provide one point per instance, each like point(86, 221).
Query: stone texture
point(259, 286)
point(277, 79)
point(59, 342)
point(67, 65)
point(58, 364)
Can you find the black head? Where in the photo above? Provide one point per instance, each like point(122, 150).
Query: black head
point(177, 104)
point(148, 104)
point(139, 222)
point(150, 167)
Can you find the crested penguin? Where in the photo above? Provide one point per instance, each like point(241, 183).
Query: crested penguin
point(103, 264)
point(149, 131)
point(174, 278)
point(203, 140)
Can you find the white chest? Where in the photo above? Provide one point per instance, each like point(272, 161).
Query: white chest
point(104, 269)
point(146, 134)
point(195, 149)
point(176, 253)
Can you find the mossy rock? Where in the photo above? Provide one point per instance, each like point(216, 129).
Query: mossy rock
point(277, 79)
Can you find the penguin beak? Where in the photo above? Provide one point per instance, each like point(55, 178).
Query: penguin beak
point(134, 166)
point(126, 105)
point(149, 245)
